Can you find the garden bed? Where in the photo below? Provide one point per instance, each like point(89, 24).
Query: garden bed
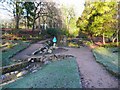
point(57, 74)
point(108, 57)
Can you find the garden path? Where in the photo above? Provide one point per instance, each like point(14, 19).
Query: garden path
point(93, 75)
point(27, 52)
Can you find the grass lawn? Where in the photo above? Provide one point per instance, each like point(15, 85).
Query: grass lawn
point(58, 74)
point(107, 58)
point(6, 55)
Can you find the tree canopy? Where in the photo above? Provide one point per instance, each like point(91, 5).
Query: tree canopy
point(99, 19)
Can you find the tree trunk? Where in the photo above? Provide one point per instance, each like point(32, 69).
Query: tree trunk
point(113, 40)
point(39, 25)
point(27, 21)
point(79, 32)
point(17, 17)
point(33, 26)
point(118, 37)
point(103, 38)
point(17, 22)
point(91, 37)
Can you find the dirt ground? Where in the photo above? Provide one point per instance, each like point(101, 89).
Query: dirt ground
point(92, 74)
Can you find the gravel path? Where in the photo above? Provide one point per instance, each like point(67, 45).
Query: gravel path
point(93, 74)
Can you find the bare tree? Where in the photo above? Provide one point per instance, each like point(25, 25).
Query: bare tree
point(14, 8)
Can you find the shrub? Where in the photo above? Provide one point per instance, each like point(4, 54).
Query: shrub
point(24, 38)
point(64, 32)
point(89, 43)
point(108, 45)
point(53, 31)
point(10, 46)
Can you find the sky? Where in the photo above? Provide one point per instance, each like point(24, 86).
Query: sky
point(4, 15)
point(78, 6)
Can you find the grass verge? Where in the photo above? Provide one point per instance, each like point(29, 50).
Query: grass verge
point(11, 52)
point(108, 58)
point(58, 74)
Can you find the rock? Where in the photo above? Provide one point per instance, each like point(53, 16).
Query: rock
point(27, 67)
point(14, 60)
point(52, 57)
point(19, 60)
point(29, 59)
point(49, 51)
point(21, 73)
point(45, 59)
point(16, 72)
point(3, 77)
point(34, 67)
point(45, 50)
point(51, 48)
point(7, 74)
point(11, 72)
point(47, 62)
point(41, 59)
point(32, 60)
point(30, 69)
point(34, 71)
point(40, 52)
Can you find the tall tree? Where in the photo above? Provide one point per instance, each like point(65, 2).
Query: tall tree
point(100, 19)
point(14, 8)
point(28, 12)
point(69, 20)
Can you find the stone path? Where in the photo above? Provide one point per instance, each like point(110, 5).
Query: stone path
point(93, 75)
